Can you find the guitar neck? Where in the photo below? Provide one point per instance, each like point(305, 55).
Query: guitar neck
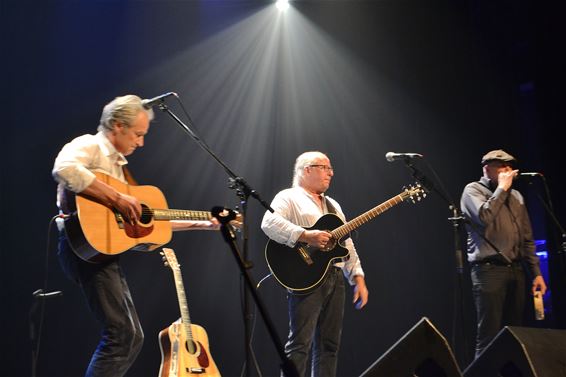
point(180, 214)
point(185, 318)
point(353, 224)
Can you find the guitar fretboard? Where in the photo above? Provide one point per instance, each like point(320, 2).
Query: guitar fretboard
point(180, 214)
point(348, 227)
point(184, 307)
point(171, 258)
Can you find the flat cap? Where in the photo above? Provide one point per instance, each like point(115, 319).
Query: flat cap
point(498, 155)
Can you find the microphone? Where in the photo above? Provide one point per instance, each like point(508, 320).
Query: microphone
point(531, 174)
point(149, 103)
point(41, 294)
point(392, 156)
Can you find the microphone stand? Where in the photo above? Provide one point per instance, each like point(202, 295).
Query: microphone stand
point(457, 219)
point(35, 330)
point(245, 265)
point(287, 366)
point(547, 205)
point(560, 254)
point(243, 191)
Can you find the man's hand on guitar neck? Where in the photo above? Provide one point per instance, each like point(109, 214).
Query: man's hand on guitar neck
point(127, 205)
point(315, 238)
point(212, 224)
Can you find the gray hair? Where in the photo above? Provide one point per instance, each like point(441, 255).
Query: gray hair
point(302, 162)
point(123, 110)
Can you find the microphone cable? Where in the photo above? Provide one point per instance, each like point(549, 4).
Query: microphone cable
point(41, 294)
point(249, 346)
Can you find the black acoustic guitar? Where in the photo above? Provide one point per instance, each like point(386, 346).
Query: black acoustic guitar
point(302, 268)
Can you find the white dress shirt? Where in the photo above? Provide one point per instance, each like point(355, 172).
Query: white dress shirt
point(78, 159)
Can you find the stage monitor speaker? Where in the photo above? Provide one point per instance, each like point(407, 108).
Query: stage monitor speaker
point(422, 351)
point(522, 351)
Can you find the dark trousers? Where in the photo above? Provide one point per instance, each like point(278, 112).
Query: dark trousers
point(499, 296)
point(108, 296)
point(315, 322)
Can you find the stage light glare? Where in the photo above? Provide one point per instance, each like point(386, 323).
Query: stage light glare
point(282, 5)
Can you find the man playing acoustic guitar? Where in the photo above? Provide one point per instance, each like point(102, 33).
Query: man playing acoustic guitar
point(123, 125)
point(315, 318)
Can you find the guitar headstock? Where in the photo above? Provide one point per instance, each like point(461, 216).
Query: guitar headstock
point(170, 259)
point(415, 192)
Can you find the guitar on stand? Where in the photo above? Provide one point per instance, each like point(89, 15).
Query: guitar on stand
point(302, 268)
point(184, 346)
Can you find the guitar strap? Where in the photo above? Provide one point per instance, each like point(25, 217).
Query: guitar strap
point(497, 251)
point(484, 185)
point(129, 177)
point(329, 207)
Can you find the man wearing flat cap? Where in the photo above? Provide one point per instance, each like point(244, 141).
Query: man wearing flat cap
point(501, 249)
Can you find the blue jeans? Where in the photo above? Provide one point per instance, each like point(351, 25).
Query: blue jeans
point(315, 326)
point(108, 296)
point(499, 296)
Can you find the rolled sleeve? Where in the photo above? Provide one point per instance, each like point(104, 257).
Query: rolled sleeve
point(72, 164)
point(353, 266)
point(278, 225)
point(77, 161)
point(281, 230)
point(74, 178)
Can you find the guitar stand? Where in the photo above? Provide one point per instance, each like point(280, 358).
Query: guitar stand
point(225, 216)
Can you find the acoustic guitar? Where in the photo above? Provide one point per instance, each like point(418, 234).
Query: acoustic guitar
point(302, 268)
point(96, 231)
point(184, 345)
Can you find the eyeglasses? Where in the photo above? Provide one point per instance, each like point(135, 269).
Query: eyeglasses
point(326, 168)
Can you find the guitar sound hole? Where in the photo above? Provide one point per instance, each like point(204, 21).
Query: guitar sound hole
point(330, 245)
point(188, 345)
point(147, 215)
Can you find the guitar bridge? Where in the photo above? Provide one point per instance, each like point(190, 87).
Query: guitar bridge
point(195, 370)
point(305, 255)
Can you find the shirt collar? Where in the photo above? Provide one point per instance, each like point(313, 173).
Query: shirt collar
point(109, 150)
point(310, 195)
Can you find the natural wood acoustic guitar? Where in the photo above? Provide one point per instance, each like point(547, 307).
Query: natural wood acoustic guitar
point(184, 346)
point(97, 231)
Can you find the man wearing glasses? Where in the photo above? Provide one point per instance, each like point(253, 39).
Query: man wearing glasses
point(498, 277)
point(315, 319)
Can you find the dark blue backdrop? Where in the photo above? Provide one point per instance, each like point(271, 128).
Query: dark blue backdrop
point(449, 79)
